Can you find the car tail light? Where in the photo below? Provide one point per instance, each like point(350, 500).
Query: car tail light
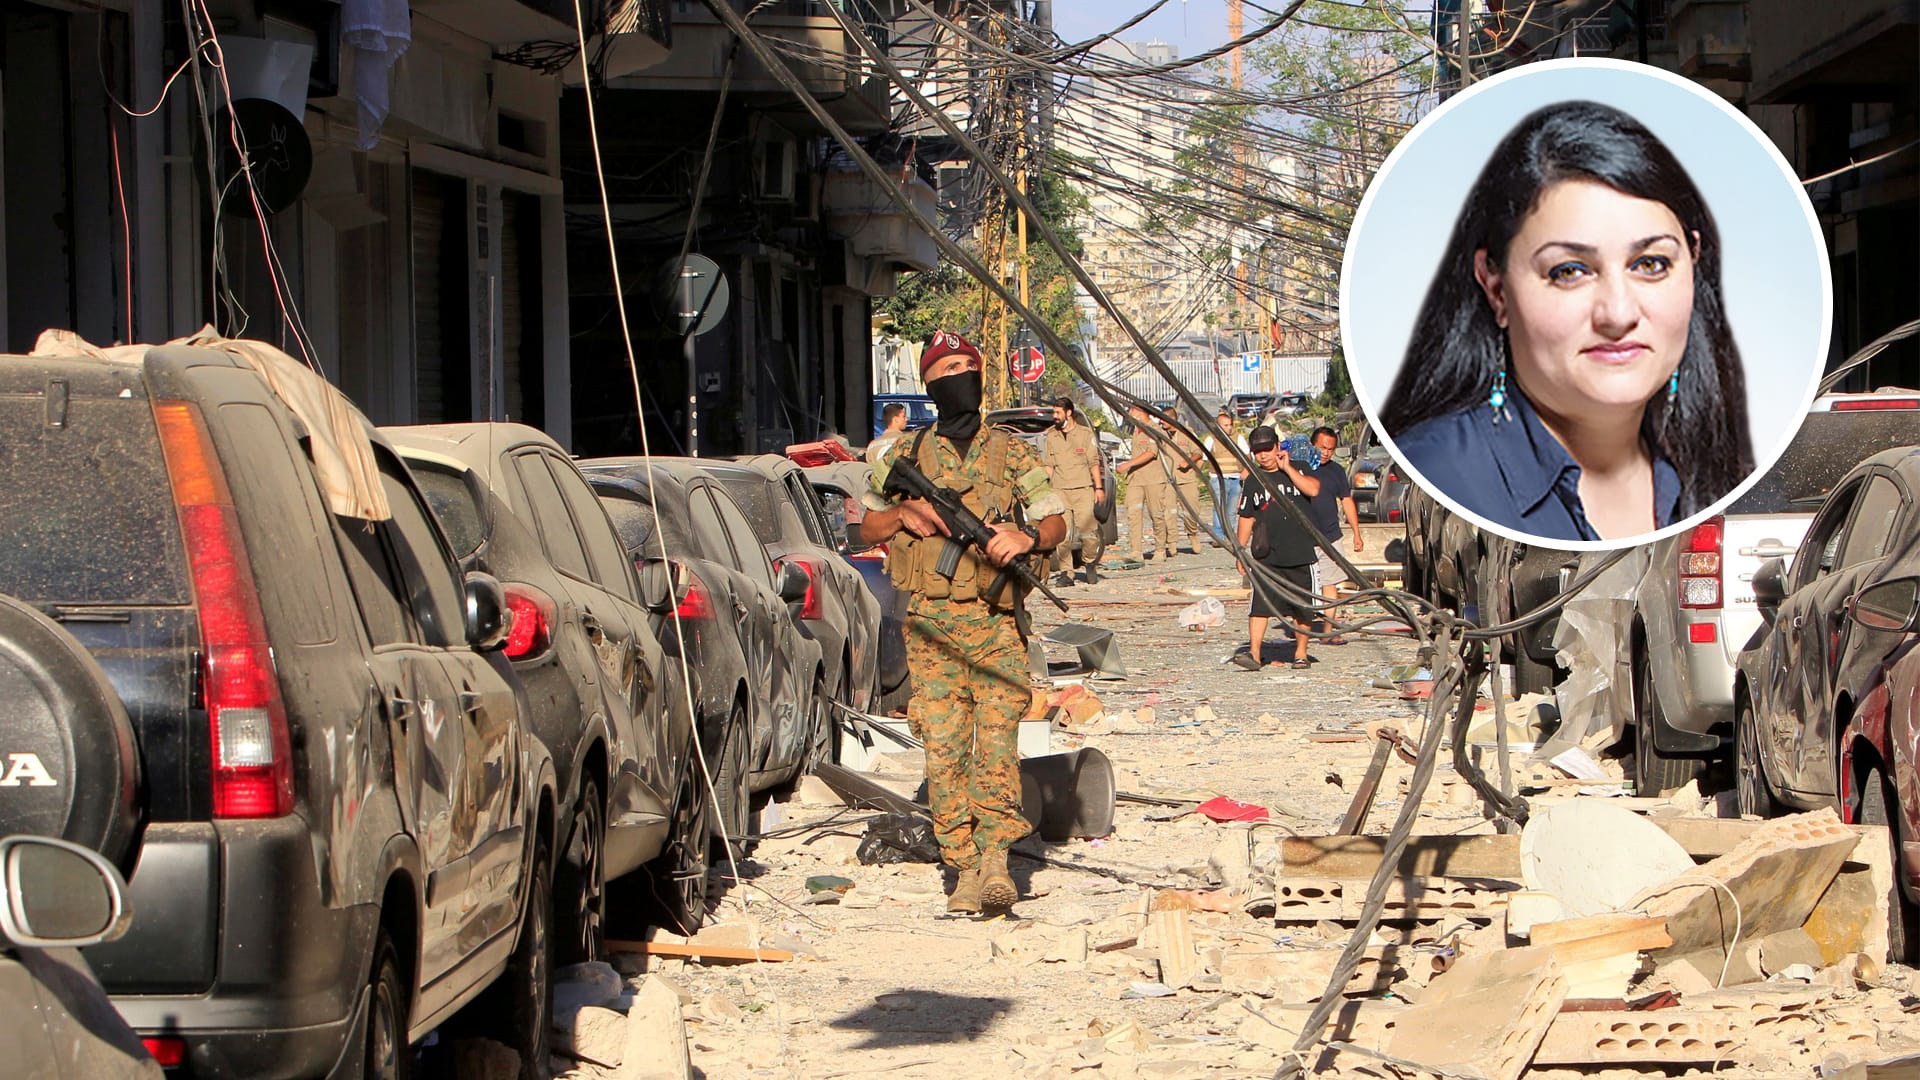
point(810, 607)
point(1700, 562)
point(697, 601)
point(1393, 478)
point(1703, 633)
point(1874, 404)
point(169, 1050)
point(1394, 514)
point(530, 618)
point(252, 751)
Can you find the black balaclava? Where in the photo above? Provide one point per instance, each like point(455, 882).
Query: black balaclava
point(958, 398)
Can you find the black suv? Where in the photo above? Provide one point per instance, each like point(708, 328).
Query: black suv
point(301, 740)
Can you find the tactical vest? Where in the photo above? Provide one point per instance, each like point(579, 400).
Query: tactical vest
point(912, 560)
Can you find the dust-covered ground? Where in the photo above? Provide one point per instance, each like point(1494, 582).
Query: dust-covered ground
point(886, 983)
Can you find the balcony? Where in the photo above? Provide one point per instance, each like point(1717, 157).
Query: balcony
point(1836, 50)
point(810, 42)
point(507, 23)
point(1711, 36)
point(873, 225)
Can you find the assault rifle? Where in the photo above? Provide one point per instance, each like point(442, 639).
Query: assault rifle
point(964, 529)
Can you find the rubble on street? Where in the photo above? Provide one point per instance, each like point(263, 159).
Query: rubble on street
point(1616, 936)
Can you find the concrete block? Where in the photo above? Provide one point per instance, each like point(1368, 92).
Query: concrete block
point(1486, 1014)
point(593, 1033)
point(656, 1043)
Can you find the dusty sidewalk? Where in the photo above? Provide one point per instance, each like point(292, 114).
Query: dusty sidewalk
point(884, 982)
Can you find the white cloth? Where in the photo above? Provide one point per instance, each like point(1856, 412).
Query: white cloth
point(377, 32)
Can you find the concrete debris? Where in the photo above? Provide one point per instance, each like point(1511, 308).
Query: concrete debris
point(1488, 1014)
point(656, 1047)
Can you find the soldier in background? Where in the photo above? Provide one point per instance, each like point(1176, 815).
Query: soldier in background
point(1149, 490)
point(1072, 454)
point(964, 644)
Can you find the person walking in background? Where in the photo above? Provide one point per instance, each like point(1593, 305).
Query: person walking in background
point(1148, 489)
point(893, 424)
point(1183, 457)
point(1333, 501)
point(964, 647)
point(1226, 478)
point(1072, 453)
point(1280, 544)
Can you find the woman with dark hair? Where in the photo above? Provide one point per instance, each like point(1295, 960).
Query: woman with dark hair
point(1571, 374)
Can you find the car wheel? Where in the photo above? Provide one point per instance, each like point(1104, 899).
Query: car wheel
point(730, 785)
point(518, 1003)
point(388, 1055)
point(1750, 791)
point(1530, 676)
point(581, 882)
point(1654, 773)
point(677, 879)
point(1880, 805)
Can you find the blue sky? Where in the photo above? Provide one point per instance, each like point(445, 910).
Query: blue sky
point(1192, 25)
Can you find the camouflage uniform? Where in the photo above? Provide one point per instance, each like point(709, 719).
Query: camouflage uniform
point(969, 666)
point(1073, 459)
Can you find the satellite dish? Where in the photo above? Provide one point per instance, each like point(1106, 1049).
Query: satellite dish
point(692, 295)
point(277, 148)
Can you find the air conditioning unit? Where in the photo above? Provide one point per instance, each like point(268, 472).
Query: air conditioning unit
point(773, 170)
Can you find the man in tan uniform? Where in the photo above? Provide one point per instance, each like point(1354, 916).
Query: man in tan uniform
point(1149, 491)
point(1072, 454)
point(1183, 457)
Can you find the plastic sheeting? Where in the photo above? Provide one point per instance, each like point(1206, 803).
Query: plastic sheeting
point(1591, 642)
point(337, 434)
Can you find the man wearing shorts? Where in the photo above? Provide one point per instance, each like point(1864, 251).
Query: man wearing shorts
point(1278, 542)
point(1334, 500)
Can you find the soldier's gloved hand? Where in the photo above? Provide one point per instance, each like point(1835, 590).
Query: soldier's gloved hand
point(1008, 544)
point(918, 517)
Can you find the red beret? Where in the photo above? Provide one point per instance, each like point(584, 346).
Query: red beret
point(943, 345)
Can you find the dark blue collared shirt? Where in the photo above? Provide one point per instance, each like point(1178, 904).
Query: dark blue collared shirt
point(1515, 473)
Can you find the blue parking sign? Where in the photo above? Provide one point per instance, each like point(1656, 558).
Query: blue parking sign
point(1249, 361)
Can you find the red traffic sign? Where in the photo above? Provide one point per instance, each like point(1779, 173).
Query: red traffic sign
point(1027, 363)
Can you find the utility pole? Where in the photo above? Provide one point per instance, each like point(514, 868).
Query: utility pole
point(1236, 25)
point(1465, 34)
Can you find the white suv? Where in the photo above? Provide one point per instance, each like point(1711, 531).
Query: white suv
point(1694, 610)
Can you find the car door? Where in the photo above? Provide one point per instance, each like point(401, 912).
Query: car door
point(783, 743)
point(1801, 629)
point(1869, 533)
point(629, 654)
point(452, 727)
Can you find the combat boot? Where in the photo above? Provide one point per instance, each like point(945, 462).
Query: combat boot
point(997, 890)
point(966, 894)
point(1093, 573)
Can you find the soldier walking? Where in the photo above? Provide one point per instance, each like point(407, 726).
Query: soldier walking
point(1149, 490)
point(1072, 454)
point(964, 644)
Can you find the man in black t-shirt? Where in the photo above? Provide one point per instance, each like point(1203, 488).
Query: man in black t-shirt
point(1280, 543)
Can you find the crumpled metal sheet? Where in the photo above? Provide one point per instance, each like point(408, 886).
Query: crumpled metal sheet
point(1592, 643)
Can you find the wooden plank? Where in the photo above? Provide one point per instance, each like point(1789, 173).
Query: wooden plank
point(693, 951)
point(1179, 959)
point(1496, 857)
point(1651, 934)
point(1553, 933)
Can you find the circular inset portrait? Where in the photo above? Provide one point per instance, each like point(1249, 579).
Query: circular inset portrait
point(1586, 303)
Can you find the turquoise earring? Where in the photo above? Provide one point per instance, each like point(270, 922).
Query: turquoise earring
point(1497, 399)
point(1673, 387)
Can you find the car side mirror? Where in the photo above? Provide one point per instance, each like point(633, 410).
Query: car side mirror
point(656, 585)
point(59, 894)
point(1770, 586)
point(1889, 605)
point(486, 607)
point(793, 583)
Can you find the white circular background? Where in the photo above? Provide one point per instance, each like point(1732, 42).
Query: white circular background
point(1774, 274)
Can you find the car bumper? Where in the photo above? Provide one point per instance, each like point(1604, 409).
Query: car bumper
point(286, 970)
